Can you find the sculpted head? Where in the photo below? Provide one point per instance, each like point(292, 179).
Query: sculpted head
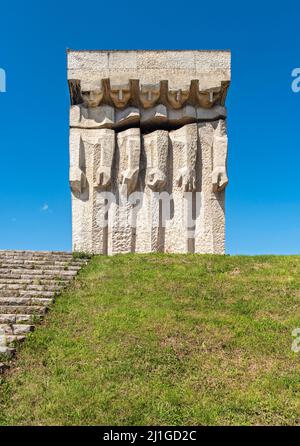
point(208, 98)
point(120, 95)
point(149, 95)
point(91, 93)
point(177, 98)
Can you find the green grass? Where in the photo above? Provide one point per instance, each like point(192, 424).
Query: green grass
point(164, 339)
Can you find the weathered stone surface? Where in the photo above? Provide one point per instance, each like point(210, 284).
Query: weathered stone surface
point(29, 282)
point(209, 68)
point(22, 308)
point(16, 329)
point(148, 151)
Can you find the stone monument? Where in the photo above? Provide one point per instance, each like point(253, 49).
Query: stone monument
point(148, 150)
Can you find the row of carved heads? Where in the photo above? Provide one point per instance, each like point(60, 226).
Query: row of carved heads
point(93, 94)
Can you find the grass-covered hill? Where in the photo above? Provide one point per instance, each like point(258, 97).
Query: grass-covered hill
point(164, 339)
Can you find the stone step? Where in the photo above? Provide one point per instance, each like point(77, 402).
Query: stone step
point(35, 255)
point(36, 274)
point(28, 252)
point(62, 263)
point(11, 339)
point(49, 259)
point(36, 282)
point(25, 300)
point(11, 287)
point(40, 260)
point(5, 267)
point(18, 318)
point(27, 255)
point(45, 288)
point(35, 278)
point(22, 269)
point(26, 293)
point(22, 309)
point(15, 329)
point(7, 351)
point(34, 262)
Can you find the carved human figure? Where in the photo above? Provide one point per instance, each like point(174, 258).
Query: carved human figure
point(186, 177)
point(129, 142)
point(90, 113)
point(81, 182)
point(184, 142)
point(103, 153)
point(103, 158)
point(77, 176)
point(210, 230)
point(150, 233)
point(219, 173)
point(121, 230)
point(156, 146)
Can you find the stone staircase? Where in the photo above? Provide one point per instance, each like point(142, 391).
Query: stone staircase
point(29, 283)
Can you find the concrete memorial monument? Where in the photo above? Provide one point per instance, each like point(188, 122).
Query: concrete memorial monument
point(148, 150)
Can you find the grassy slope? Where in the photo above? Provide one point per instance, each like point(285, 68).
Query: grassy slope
point(152, 339)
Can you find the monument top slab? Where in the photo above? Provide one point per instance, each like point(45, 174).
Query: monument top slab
point(179, 67)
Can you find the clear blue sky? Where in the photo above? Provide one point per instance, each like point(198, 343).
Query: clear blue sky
point(263, 198)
